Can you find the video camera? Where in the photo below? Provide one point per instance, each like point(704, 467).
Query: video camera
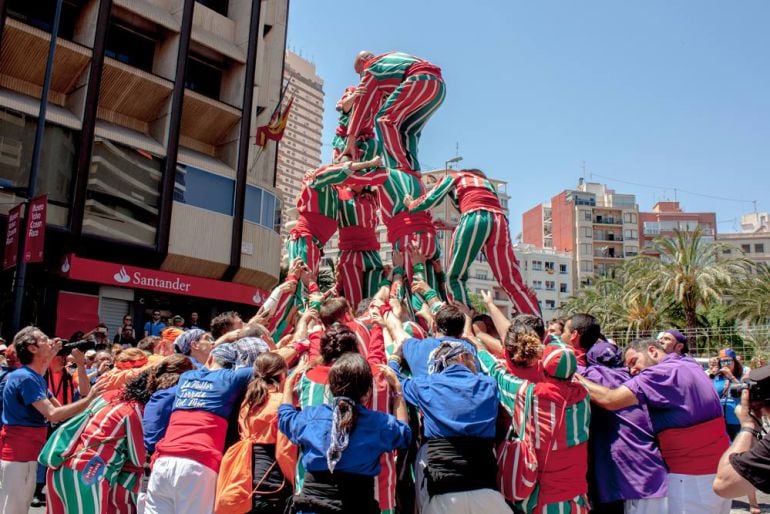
point(82, 345)
point(758, 385)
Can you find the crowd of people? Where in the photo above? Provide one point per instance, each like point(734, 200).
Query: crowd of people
point(386, 393)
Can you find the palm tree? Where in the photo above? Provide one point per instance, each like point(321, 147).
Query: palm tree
point(691, 271)
point(751, 296)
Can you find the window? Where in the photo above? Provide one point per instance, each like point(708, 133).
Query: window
point(746, 248)
point(537, 265)
point(586, 232)
point(550, 304)
point(586, 249)
point(39, 14)
point(206, 190)
point(203, 77)
point(629, 217)
point(726, 251)
point(631, 234)
point(482, 275)
point(585, 214)
point(550, 285)
point(563, 287)
point(122, 196)
point(219, 6)
point(562, 269)
point(759, 248)
point(586, 266)
point(537, 284)
point(129, 46)
point(549, 266)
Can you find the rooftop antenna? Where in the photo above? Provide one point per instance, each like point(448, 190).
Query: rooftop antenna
point(457, 149)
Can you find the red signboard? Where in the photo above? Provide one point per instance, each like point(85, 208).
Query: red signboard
point(11, 250)
point(101, 272)
point(34, 242)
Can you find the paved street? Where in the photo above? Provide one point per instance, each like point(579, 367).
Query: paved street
point(739, 507)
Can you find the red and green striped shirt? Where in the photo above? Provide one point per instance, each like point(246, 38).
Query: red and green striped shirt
point(468, 192)
point(317, 202)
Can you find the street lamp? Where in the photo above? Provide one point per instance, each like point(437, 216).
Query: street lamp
point(453, 160)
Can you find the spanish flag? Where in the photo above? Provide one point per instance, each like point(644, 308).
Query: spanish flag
point(275, 127)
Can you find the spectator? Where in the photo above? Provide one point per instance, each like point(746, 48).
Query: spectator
point(193, 321)
point(178, 321)
point(126, 337)
point(746, 464)
point(155, 326)
point(3, 348)
point(127, 322)
point(100, 335)
point(27, 410)
point(148, 344)
point(167, 338)
point(727, 383)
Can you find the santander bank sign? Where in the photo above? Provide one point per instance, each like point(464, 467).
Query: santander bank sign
point(90, 270)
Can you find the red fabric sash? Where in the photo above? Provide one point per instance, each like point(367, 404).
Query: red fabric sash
point(479, 198)
point(358, 239)
point(694, 450)
point(564, 475)
point(407, 223)
point(194, 434)
point(315, 225)
point(21, 444)
point(423, 68)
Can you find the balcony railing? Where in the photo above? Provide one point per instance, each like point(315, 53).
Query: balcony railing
point(612, 238)
point(608, 221)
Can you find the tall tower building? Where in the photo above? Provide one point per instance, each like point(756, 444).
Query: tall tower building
point(300, 148)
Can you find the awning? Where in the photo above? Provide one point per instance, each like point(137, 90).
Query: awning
point(121, 275)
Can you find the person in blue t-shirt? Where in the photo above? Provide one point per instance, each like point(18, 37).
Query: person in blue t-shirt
point(727, 383)
point(154, 327)
point(342, 443)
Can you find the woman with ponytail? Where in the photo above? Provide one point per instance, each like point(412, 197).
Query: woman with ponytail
point(342, 442)
point(100, 469)
point(273, 457)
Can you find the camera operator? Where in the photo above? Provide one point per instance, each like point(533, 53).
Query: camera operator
point(746, 464)
point(727, 382)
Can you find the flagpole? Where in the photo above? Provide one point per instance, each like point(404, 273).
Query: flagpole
point(34, 169)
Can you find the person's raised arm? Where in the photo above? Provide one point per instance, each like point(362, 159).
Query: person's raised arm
point(431, 198)
point(399, 405)
point(501, 322)
point(84, 383)
point(365, 105)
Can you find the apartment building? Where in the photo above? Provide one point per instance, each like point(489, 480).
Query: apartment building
point(156, 197)
point(669, 216)
point(598, 226)
point(548, 273)
point(753, 241)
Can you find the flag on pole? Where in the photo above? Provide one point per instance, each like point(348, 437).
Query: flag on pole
point(275, 127)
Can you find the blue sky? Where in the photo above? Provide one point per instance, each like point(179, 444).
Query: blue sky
point(658, 93)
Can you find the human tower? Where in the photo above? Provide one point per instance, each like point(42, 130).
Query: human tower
point(375, 174)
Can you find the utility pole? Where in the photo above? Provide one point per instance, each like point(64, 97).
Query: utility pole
point(34, 169)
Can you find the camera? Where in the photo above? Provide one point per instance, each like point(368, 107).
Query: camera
point(736, 389)
point(758, 385)
point(83, 346)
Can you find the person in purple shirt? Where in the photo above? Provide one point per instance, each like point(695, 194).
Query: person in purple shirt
point(628, 470)
point(686, 417)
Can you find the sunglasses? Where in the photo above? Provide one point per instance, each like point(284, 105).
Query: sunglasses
point(725, 361)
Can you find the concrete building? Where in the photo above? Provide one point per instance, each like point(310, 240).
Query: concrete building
point(753, 241)
point(667, 216)
point(597, 225)
point(549, 273)
point(155, 196)
point(300, 149)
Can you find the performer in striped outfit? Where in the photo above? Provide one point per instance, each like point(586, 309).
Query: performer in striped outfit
point(404, 228)
point(407, 91)
point(559, 419)
point(483, 228)
point(359, 267)
point(367, 145)
point(102, 469)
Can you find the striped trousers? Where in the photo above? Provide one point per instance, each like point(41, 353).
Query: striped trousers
point(401, 118)
point(68, 494)
point(487, 232)
point(426, 242)
point(306, 249)
point(358, 275)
